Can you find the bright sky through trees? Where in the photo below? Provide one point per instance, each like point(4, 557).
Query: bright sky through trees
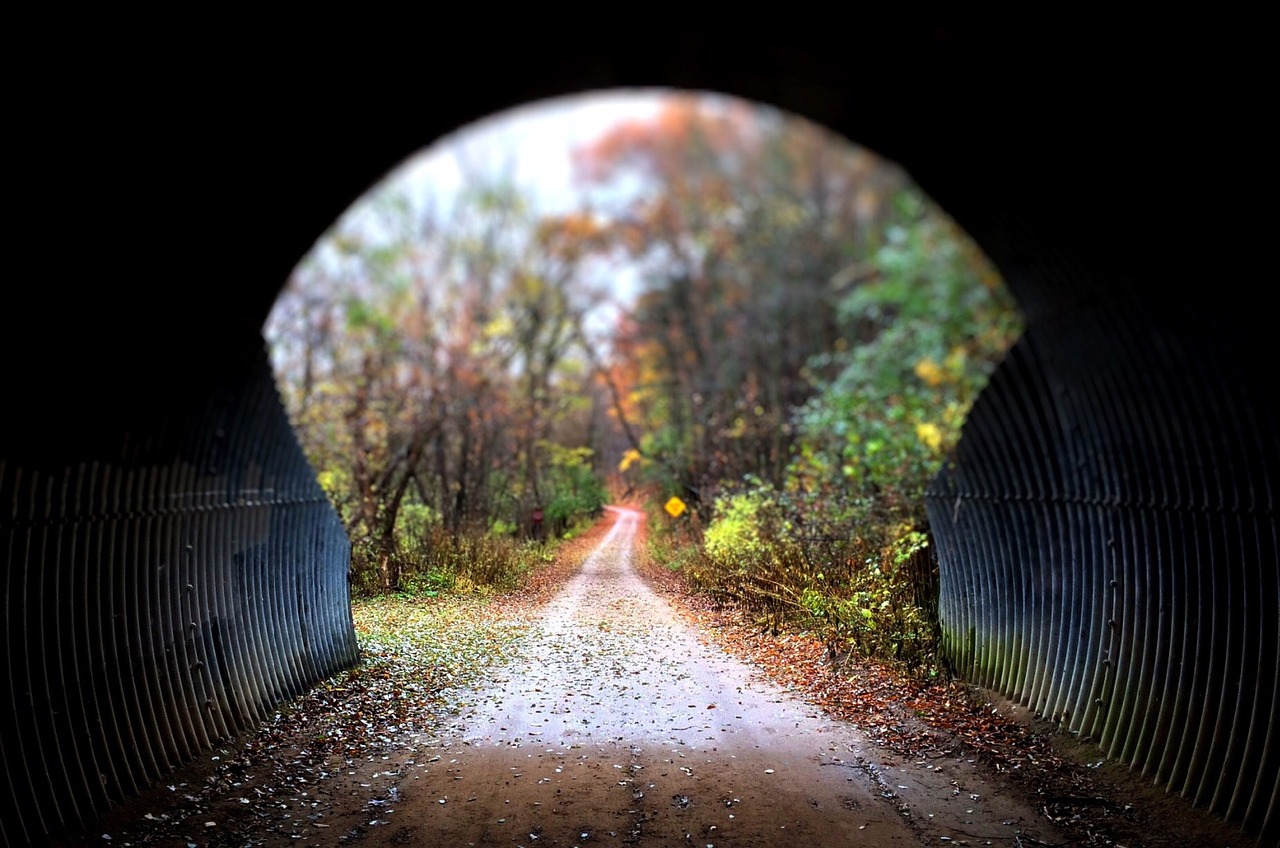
point(531, 145)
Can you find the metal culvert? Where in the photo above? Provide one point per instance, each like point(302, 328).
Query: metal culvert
point(159, 600)
point(1107, 548)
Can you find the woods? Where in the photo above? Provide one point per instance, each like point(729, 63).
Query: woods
point(430, 369)
point(744, 311)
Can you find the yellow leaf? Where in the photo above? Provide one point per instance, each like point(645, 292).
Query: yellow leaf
point(930, 435)
point(629, 459)
point(928, 370)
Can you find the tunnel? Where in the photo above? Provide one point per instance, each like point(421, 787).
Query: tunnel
point(1106, 532)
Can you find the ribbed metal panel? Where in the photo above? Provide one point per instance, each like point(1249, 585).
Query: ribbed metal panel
point(159, 600)
point(1107, 548)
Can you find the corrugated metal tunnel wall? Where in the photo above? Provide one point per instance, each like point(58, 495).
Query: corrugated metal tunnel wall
point(160, 600)
point(1125, 447)
point(1108, 551)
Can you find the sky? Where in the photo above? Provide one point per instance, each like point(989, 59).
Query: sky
point(535, 141)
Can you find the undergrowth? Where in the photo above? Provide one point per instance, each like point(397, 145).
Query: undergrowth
point(441, 563)
point(865, 597)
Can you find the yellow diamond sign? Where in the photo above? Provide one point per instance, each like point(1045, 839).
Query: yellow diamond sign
point(675, 506)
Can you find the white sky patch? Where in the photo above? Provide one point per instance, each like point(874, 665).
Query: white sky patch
point(532, 144)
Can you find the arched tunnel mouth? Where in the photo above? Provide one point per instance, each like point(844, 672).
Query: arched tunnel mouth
point(1114, 484)
point(883, 239)
point(725, 305)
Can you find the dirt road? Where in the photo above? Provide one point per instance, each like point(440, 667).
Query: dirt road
point(615, 724)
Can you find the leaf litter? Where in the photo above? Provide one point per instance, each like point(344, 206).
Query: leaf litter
point(921, 721)
point(414, 653)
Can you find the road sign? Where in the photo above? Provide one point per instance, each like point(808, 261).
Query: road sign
point(675, 506)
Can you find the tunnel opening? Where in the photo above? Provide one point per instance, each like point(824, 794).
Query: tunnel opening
point(726, 306)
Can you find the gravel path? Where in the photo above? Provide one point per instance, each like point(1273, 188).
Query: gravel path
point(615, 724)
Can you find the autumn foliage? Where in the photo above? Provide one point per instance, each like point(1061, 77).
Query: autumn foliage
point(797, 347)
point(807, 340)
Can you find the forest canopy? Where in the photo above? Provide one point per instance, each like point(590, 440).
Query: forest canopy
point(741, 310)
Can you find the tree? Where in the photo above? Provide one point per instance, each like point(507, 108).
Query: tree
point(745, 227)
point(427, 364)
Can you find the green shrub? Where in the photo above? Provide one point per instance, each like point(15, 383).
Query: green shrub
point(865, 595)
point(735, 533)
point(439, 562)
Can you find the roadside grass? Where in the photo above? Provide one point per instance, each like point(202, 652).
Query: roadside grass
point(413, 649)
point(418, 645)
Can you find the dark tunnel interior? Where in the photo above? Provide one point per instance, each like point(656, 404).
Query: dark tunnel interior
point(1107, 538)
